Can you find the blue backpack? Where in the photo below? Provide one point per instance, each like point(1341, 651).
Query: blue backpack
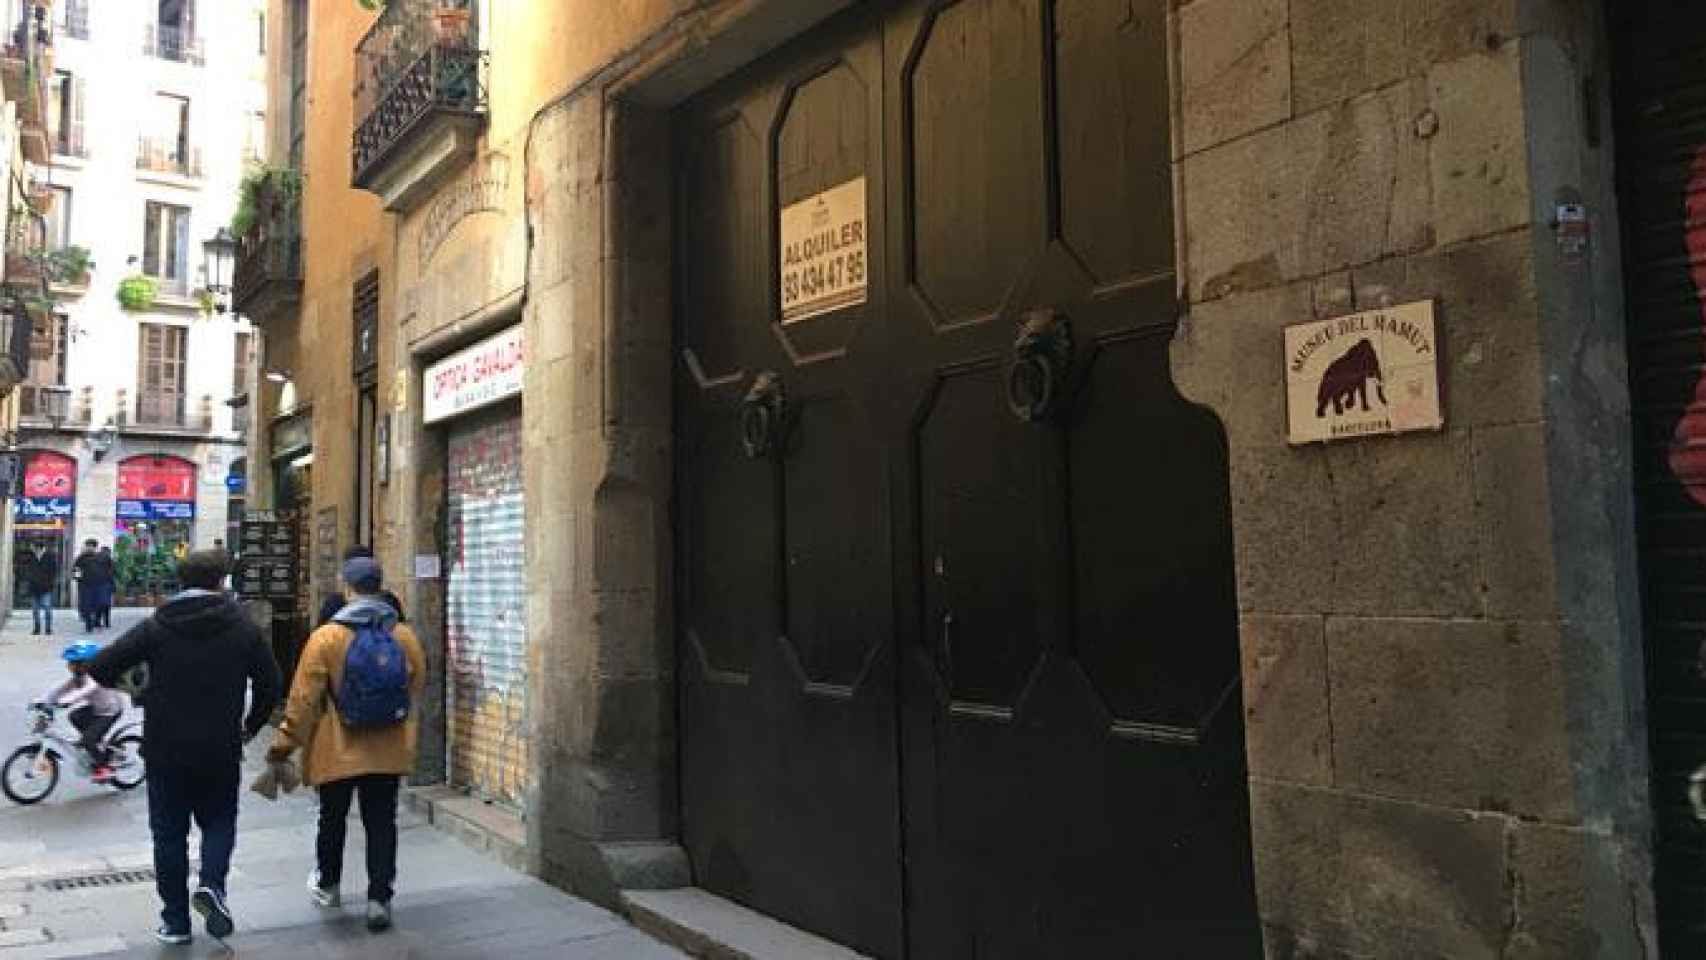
point(375, 691)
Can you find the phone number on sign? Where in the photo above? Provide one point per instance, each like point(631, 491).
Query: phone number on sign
point(813, 281)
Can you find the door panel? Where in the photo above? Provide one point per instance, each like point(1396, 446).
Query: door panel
point(1072, 730)
point(971, 609)
point(790, 789)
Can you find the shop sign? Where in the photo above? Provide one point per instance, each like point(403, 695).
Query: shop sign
point(479, 376)
point(155, 510)
point(1366, 374)
point(51, 475)
point(236, 483)
point(43, 508)
point(156, 478)
point(823, 252)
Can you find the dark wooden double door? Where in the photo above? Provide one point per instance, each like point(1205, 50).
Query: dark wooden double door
point(958, 633)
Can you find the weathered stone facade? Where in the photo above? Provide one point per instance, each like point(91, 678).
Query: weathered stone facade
point(1442, 659)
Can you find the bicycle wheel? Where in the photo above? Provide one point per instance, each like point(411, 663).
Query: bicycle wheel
point(27, 779)
point(124, 755)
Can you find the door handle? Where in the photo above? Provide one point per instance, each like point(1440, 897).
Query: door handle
point(1042, 358)
point(764, 416)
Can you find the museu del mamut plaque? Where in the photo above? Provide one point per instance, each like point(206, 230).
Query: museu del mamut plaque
point(1364, 374)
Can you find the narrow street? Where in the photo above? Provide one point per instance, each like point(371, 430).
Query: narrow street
point(451, 901)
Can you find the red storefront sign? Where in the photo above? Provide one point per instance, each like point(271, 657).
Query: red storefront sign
point(48, 474)
point(156, 478)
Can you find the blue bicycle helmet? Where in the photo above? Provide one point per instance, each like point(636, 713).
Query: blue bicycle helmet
point(81, 652)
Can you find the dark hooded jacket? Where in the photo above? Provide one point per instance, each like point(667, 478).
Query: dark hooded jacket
point(203, 652)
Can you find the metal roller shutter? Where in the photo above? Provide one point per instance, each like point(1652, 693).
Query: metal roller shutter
point(486, 625)
point(1662, 156)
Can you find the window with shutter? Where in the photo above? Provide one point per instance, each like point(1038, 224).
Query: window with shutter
point(160, 375)
point(165, 246)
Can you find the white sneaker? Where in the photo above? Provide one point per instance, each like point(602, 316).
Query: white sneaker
point(323, 897)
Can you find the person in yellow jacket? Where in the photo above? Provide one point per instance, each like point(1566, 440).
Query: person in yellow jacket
point(346, 763)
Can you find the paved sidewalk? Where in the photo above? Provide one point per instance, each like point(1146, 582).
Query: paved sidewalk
point(451, 902)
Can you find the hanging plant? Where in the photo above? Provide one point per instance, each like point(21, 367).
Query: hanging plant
point(136, 293)
point(264, 192)
point(205, 301)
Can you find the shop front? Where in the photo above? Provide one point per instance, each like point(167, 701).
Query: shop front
point(43, 516)
point(473, 395)
point(154, 525)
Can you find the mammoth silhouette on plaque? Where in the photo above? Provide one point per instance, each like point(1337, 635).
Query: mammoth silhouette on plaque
point(1345, 381)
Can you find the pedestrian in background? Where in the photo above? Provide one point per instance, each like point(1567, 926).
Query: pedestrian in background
point(106, 576)
point(203, 655)
point(87, 590)
point(350, 752)
point(41, 578)
point(331, 603)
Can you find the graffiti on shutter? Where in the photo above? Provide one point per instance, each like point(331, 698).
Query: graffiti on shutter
point(486, 628)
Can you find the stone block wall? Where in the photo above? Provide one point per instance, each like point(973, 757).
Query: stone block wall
point(1442, 667)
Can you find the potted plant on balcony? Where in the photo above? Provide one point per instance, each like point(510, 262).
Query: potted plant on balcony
point(70, 266)
point(136, 293)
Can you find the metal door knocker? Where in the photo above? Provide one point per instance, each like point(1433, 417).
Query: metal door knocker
point(1042, 357)
point(763, 415)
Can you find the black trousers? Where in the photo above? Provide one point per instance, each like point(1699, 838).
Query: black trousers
point(93, 728)
point(378, 795)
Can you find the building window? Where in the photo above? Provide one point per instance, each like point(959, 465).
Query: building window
point(67, 113)
point(298, 80)
point(165, 246)
point(255, 139)
point(240, 361)
point(165, 143)
point(365, 299)
point(172, 32)
point(160, 374)
point(72, 18)
point(59, 220)
point(261, 32)
point(47, 365)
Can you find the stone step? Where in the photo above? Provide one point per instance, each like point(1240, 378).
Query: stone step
point(704, 925)
point(489, 828)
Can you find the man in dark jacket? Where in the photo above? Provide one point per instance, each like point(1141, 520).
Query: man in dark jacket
point(88, 590)
point(41, 578)
point(202, 653)
point(106, 575)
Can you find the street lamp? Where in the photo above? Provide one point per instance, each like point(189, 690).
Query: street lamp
point(219, 253)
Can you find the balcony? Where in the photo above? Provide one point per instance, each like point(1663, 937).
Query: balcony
point(26, 62)
point(168, 155)
point(17, 328)
point(164, 411)
point(420, 100)
point(71, 141)
point(39, 403)
point(268, 278)
point(76, 20)
point(171, 42)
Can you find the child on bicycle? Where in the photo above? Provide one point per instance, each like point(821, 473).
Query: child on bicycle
point(94, 708)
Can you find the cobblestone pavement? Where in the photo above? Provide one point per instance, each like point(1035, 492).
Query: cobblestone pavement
point(451, 901)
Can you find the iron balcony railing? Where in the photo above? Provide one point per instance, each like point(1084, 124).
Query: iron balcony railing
point(171, 410)
point(72, 141)
point(171, 42)
point(421, 58)
point(36, 402)
point(18, 332)
point(269, 262)
point(168, 155)
point(76, 20)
